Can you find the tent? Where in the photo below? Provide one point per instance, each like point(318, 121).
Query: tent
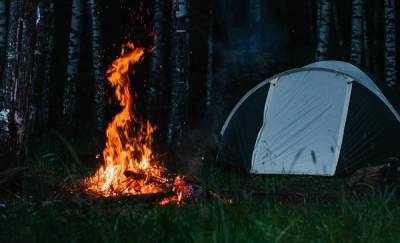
point(326, 118)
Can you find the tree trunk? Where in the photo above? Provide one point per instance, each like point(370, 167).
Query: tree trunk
point(356, 32)
point(390, 43)
point(43, 50)
point(97, 62)
point(43, 114)
point(74, 52)
point(375, 42)
point(179, 69)
point(37, 67)
point(16, 86)
point(324, 21)
point(156, 88)
point(210, 61)
point(366, 49)
point(318, 19)
point(337, 24)
point(3, 31)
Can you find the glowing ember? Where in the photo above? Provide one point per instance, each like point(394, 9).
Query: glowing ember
point(130, 166)
point(182, 190)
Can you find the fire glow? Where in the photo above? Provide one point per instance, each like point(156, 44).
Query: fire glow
point(129, 165)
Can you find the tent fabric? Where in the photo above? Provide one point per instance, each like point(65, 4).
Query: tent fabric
point(302, 129)
point(358, 75)
point(317, 120)
point(371, 134)
point(244, 125)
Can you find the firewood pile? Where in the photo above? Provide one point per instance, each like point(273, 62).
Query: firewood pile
point(175, 189)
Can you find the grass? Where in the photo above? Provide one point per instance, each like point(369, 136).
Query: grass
point(265, 209)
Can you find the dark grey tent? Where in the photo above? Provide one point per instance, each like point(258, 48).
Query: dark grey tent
point(323, 119)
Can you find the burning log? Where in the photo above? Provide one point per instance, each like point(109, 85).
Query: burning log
point(134, 175)
point(177, 189)
point(147, 177)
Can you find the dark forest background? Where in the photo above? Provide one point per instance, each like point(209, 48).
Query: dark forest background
point(55, 104)
point(226, 48)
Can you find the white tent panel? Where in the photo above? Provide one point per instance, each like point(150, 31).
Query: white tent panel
point(304, 119)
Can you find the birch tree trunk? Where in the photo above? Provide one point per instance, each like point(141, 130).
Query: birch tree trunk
point(156, 88)
point(37, 66)
point(210, 61)
point(16, 86)
point(97, 62)
point(74, 52)
point(356, 32)
point(43, 50)
point(3, 31)
point(324, 22)
point(390, 43)
point(179, 72)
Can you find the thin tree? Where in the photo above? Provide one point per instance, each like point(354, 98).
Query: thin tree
point(318, 18)
point(356, 32)
point(156, 87)
point(37, 66)
point(97, 62)
point(338, 30)
point(179, 69)
point(16, 86)
point(43, 114)
point(43, 50)
point(390, 43)
point(3, 30)
point(323, 23)
point(210, 60)
point(74, 52)
point(376, 64)
point(366, 50)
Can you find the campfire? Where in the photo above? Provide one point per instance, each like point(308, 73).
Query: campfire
point(130, 166)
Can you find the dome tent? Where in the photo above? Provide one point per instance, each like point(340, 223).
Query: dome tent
point(326, 118)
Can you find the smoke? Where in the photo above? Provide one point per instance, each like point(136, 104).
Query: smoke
point(198, 149)
point(255, 41)
point(249, 49)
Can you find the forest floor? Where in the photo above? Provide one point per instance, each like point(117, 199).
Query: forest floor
point(264, 209)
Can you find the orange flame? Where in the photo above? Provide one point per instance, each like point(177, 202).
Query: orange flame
point(130, 166)
point(129, 140)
